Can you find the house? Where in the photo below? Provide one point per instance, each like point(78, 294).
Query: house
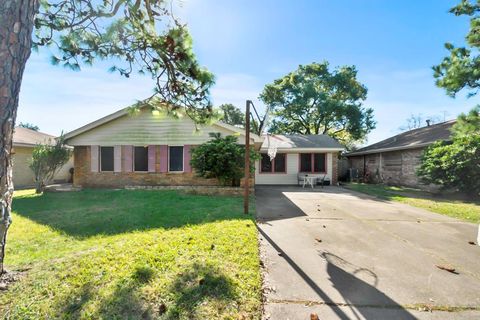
point(396, 159)
point(296, 156)
point(24, 140)
point(147, 148)
point(153, 149)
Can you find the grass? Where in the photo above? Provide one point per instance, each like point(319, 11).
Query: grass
point(449, 206)
point(105, 254)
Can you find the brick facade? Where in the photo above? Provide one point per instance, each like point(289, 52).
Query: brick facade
point(394, 168)
point(334, 169)
point(84, 177)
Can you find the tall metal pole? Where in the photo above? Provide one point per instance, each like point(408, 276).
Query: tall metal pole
point(246, 194)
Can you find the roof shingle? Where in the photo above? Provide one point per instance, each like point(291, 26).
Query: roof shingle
point(28, 137)
point(410, 139)
point(302, 141)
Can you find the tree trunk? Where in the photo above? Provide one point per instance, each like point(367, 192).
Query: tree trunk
point(16, 25)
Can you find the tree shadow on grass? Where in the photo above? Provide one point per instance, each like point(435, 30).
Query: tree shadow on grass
point(92, 212)
point(124, 303)
point(195, 287)
point(72, 306)
point(200, 292)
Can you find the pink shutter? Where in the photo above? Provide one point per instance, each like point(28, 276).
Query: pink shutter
point(151, 158)
point(128, 161)
point(186, 158)
point(163, 158)
point(94, 158)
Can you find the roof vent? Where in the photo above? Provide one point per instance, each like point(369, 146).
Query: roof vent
point(428, 122)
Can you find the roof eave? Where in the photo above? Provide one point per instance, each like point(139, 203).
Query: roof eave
point(96, 123)
point(124, 111)
point(295, 149)
point(409, 147)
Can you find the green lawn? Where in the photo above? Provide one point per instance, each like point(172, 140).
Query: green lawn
point(449, 206)
point(105, 254)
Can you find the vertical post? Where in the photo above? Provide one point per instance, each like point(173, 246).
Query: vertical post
point(247, 158)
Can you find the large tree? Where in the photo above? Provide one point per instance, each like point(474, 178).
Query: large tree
point(232, 115)
point(316, 100)
point(461, 68)
point(137, 35)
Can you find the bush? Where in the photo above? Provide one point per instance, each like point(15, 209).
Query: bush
point(47, 160)
point(455, 164)
point(222, 158)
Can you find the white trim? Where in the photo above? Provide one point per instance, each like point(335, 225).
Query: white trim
point(183, 157)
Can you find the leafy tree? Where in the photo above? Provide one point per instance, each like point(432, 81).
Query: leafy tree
point(468, 123)
point(28, 126)
point(222, 158)
point(460, 69)
point(232, 115)
point(315, 100)
point(138, 35)
point(47, 160)
point(455, 163)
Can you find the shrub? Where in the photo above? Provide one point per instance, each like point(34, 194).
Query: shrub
point(222, 158)
point(455, 164)
point(47, 160)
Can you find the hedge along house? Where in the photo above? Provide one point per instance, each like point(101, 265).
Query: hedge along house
point(395, 160)
point(298, 155)
point(142, 149)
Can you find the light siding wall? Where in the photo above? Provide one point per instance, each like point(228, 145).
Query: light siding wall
point(290, 177)
point(147, 129)
point(22, 174)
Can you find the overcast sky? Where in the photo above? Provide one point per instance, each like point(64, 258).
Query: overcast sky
point(249, 43)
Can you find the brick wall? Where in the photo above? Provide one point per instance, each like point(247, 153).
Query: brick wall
point(395, 168)
point(85, 178)
point(334, 169)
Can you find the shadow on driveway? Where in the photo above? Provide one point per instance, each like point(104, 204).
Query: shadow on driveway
point(355, 292)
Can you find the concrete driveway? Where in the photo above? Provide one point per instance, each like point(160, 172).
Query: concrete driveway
point(345, 255)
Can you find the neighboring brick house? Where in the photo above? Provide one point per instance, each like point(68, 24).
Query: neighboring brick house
point(147, 149)
point(298, 155)
point(24, 140)
point(142, 149)
point(395, 160)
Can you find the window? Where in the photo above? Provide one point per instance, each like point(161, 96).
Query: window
point(106, 158)
point(140, 159)
point(266, 165)
point(319, 162)
point(306, 162)
point(277, 165)
point(175, 159)
point(312, 162)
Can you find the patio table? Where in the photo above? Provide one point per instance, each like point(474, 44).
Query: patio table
point(309, 180)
